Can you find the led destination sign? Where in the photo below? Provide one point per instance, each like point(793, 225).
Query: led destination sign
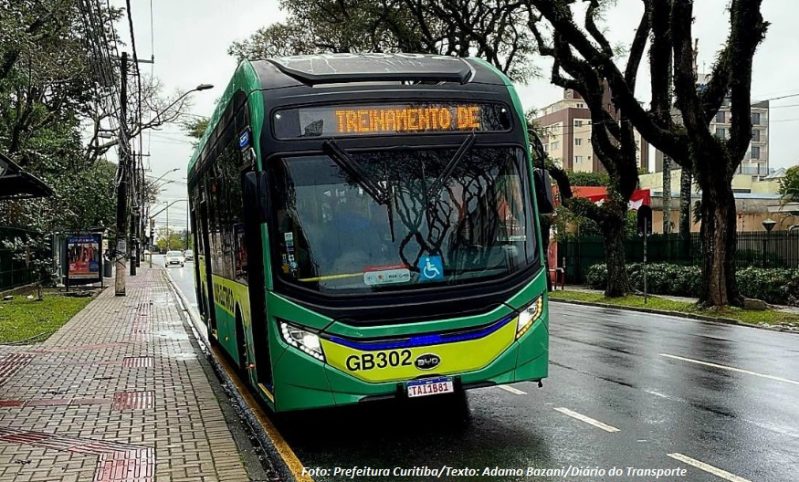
point(357, 120)
point(371, 120)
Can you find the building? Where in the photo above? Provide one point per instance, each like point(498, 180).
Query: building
point(756, 199)
point(566, 134)
point(755, 162)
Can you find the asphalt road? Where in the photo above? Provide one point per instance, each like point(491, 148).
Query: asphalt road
point(626, 389)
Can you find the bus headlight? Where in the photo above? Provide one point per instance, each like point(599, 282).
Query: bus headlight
point(528, 315)
point(302, 340)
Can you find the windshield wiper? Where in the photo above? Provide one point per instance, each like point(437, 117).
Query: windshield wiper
point(456, 159)
point(345, 162)
point(377, 192)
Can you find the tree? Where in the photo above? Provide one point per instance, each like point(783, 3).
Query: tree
point(44, 59)
point(196, 127)
point(588, 178)
point(666, 25)
point(612, 135)
point(666, 195)
point(491, 29)
point(157, 109)
point(177, 240)
point(789, 185)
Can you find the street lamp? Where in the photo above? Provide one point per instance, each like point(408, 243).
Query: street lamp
point(161, 187)
point(199, 88)
point(164, 174)
point(768, 224)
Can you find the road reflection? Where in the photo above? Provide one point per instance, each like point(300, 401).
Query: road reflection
point(456, 430)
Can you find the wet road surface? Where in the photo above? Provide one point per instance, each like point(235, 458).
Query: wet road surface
point(626, 389)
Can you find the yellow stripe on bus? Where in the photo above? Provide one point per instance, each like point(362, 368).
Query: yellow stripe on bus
point(330, 277)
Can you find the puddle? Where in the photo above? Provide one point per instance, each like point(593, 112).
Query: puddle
point(171, 334)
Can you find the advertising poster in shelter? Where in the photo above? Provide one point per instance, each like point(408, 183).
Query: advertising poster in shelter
point(84, 258)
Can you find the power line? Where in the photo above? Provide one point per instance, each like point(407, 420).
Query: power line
point(795, 94)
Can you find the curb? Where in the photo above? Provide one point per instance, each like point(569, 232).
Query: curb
point(265, 440)
point(678, 314)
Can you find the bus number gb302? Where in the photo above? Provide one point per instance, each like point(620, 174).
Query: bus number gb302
point(380, 359)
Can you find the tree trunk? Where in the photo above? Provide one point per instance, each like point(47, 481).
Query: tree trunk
point(719, 239)
point(666, 194)
point(545, 222)
point(685, 211)
point(613, 235)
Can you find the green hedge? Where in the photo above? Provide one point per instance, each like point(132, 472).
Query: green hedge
point(772, 285)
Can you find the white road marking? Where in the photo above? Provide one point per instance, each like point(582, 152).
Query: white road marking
point(512, 390)
point(708, 468)
point(588, 420)
point(663, 395)
point(733, 369)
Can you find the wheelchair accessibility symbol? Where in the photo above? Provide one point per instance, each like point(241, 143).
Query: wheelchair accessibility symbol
point(431, 268)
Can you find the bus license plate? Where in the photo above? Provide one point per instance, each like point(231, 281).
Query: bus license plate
point(429, 386)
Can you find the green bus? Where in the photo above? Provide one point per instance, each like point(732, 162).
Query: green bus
point(367, 228)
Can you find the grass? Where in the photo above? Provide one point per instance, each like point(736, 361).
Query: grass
point(23, 319)
point(769, 317)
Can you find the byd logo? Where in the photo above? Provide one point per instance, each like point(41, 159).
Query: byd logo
point(428, 361)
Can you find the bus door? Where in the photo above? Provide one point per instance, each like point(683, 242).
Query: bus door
point(199, 249)
point(207, 301)
point(255, 216)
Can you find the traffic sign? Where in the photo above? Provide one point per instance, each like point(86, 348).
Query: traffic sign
point(644, 220)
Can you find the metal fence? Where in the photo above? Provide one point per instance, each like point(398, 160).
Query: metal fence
point(14, 272)
point(779, 249)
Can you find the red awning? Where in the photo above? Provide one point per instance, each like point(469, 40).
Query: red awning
point(598, 194)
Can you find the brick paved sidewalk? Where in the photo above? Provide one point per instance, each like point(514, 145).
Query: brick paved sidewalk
point(118, 394)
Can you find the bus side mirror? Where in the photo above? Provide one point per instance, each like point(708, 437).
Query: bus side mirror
point(543, 191)
point(256, 203)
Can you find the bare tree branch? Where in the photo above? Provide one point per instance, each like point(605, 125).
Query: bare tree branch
point(591, 27)
point(560, 18)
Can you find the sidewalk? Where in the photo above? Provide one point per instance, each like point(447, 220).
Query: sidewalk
point(118, 394)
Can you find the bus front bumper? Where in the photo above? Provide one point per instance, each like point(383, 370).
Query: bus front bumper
point(308, 383)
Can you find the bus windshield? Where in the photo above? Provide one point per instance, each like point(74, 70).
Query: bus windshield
point(409, 219)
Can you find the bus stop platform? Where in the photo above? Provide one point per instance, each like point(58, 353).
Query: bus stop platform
point(122, 392)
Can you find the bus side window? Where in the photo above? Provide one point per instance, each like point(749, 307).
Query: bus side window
point(235, 246)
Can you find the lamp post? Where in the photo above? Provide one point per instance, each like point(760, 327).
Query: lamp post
point(768, 224)
point(199, 88)
point(156, 179)
point(122, 248)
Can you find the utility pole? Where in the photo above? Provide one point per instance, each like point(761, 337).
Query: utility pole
point(167, 226)
point(121, 248)
point(142, 207)
point(152, 237)
point(134, 207)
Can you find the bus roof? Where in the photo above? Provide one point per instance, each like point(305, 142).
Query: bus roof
point(309, 70)
point(335, 68)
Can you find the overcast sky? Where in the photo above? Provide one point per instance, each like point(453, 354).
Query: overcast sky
point(190, 47)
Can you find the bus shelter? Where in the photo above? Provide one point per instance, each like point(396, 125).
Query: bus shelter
point(15, 183)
